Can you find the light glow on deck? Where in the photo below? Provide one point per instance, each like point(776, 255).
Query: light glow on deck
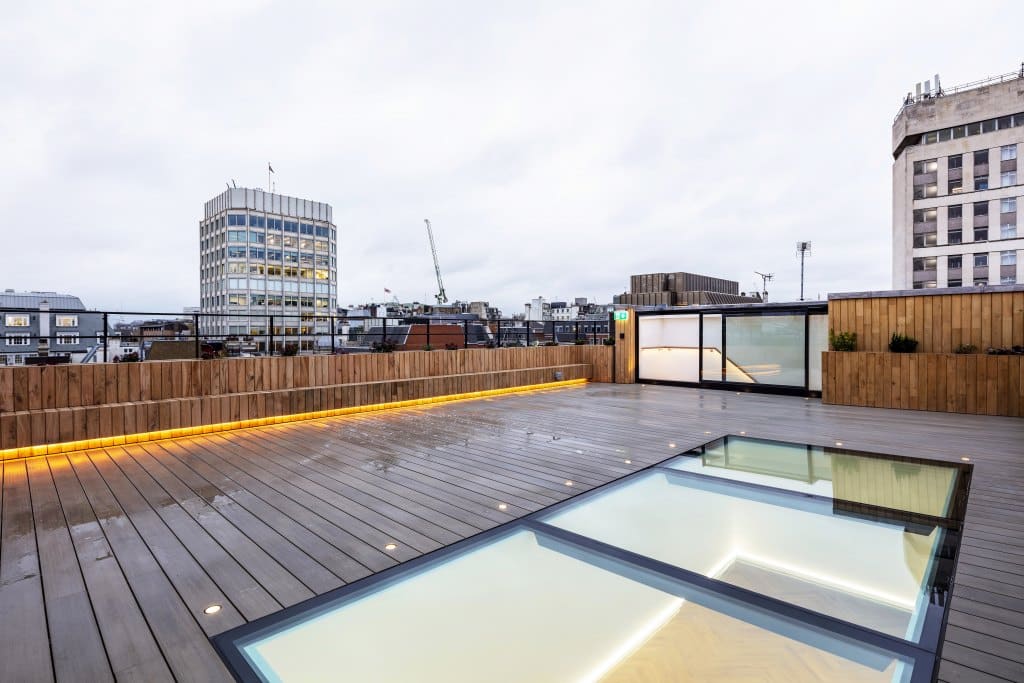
point(198, 430)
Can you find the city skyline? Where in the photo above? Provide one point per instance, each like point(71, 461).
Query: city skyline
point(555, 151)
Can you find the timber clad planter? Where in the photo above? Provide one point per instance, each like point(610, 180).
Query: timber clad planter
point(978, 384)
point(45, 405)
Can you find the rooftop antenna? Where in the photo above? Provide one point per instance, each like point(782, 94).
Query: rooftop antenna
point(803, 250)
point(938, 86)
point(228, 184)
point(765, 279)
point(233, 184)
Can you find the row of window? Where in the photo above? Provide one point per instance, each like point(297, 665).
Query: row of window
point(954, 211)
point(276, 300)
point(251, 268)
point(979, 281)
point(955, 236)
point(271, 300)
point(254, 237)
point(24, 340)
point(1006, 153)
point(23, 320)
point(258, 283)
point(955, 262)
point(257, 254)
point(278, 224)
point(1007, 176)
point(986, 126)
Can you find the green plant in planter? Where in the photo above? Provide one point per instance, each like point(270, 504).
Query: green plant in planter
point(901, 343)
point(428, 347)
point(966, 348)
point(581, 342)
point(610, 341)
point(842, 341)
point(290, 350)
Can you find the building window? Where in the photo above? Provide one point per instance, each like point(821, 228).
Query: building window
point(955, 283)
point(925, 191)
point(306, 228)
point(926, 239)
point(1008, 178)
point(980, 281)
point(236, 219)
point(1008, 280)
point(17, 320)
point(955, 236)
point(980, 182)
point(981, 208)
point(955, 186)
point(953, 212)
point(926, 166)
point(1008, 152)
point(925, 215)
point(257, 222)
point(66, 321)
point(1008, 258)
point(1008, 231)
point(236, 252)
point(17, 340)
point(954, 262)
point(1008, 205)
point(323, 231)
point(924, 263)
point(956, 161)
point(67, 339)
point(291, 226)
point(981, 234)
point(981, 260)
point(273, 223)
point(981, 157)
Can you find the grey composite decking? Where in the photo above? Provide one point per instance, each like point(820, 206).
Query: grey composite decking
point(108, 558)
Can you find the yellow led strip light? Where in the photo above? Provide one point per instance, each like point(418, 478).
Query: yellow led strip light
point(103, 442)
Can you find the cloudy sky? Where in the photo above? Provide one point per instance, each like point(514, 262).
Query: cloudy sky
point(556, 147)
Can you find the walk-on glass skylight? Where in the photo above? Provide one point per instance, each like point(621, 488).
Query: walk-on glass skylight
point(678, 572)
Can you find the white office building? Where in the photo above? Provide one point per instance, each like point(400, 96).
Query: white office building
point(957, 187)
point(268, 268)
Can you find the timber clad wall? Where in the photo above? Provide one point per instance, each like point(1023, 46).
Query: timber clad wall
point(956, 383)
point(62, 403)
point(934, 378)
point(939, 322)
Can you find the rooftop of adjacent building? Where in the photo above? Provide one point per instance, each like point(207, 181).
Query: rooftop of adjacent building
point(934, 107)
point(12, 299)
point(258, 199)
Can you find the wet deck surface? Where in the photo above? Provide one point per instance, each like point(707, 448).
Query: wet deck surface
point(109, 558)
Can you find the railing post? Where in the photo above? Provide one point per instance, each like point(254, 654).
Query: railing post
point(593, 330)
point(527, 332)
point(383, 331)
point(331, 321)
point(270, 338)
point(195, 331)
point(428, 332)
point(465, 334)
point(105, 320)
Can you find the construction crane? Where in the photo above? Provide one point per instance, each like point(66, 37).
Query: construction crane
point(441, 297)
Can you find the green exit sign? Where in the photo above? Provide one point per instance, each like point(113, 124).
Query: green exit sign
point(622, 315)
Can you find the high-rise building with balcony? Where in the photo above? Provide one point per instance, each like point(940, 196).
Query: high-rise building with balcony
point(956, 185)
point(268, 265)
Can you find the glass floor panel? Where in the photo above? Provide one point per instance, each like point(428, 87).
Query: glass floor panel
point(520, 609)
point(899, 484)
point(745, 560)
point(798, 550)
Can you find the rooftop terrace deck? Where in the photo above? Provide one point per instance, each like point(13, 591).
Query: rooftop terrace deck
point(108, 558)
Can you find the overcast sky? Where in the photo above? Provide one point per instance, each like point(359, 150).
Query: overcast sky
point(556, 147)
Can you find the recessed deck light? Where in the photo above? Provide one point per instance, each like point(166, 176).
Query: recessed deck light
point(742, 433)
point(707, 432)
point(839, 443)
point(671, 445)
point(965, 459)
point(502, 506)
point(212, 609)
point(568, 482)
point(628, 462)
point(390, 546)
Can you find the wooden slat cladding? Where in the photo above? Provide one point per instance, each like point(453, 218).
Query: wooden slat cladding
point(168, 395)
point(940, 322)
point(957, 383)
point(70, 386)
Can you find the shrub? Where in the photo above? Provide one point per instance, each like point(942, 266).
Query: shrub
point(550, 343)
point(1002, 351)
point(842, 341)
point(428, 347)
point(382, 347)
point(581, 342)
point(901, 343)
point(290, 350)
point(451, 346)
point(966, 348)
point(610, 341)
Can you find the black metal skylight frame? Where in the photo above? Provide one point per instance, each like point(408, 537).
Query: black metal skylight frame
point(667, 577)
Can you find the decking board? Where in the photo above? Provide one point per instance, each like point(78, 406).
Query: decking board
point(141, 537)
